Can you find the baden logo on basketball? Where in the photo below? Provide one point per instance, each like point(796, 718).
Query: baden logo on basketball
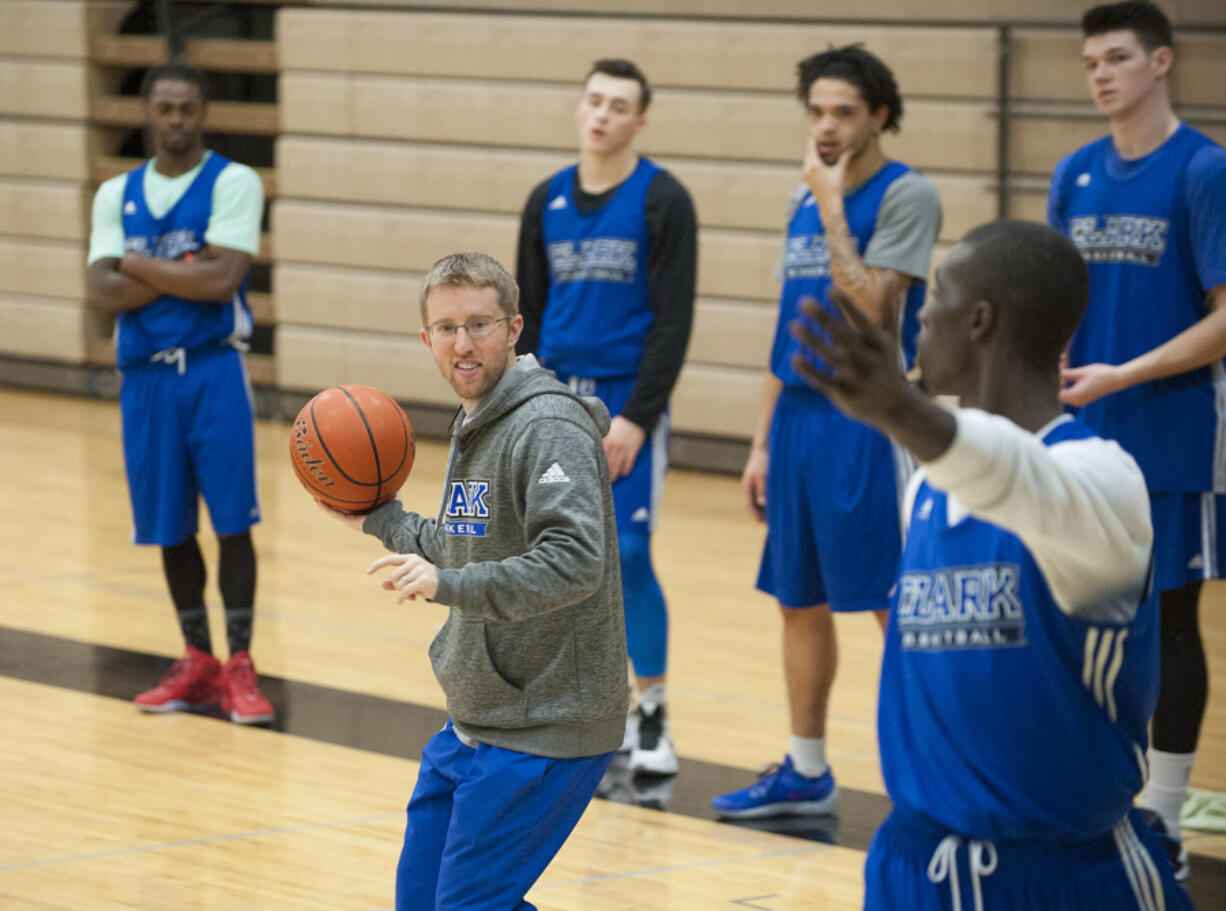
point(303, 444)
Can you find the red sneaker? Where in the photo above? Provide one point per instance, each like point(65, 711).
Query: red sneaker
point(192, 682)
point(241, 698)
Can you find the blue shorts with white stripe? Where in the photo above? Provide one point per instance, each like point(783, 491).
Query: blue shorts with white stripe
point(917, 866)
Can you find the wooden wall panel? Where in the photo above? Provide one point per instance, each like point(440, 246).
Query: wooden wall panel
point(1040, 142)
point(941, 134)
point(44, 150)
point(1031, 204)
point(412, 174)
point(385, 237)
point(1046, 65)
point(39, 28)
point(731, 263)
point(311, 359)
point(47, 89)
point(42, 267)
point(1199, 72)
point(738, 263)
point(733, 332)
point(39, 208)
point(718, 401)
point(375, 301)
point(729, 194)
point(722, 55)
point(966, 202)
point(897, 12)
point(41, 327)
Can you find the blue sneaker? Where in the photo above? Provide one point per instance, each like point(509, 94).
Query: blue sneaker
point(781, 791)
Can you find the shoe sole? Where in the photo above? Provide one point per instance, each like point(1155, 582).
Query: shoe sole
point(176, 705)
point(643, 763)
point(824, 807)
point(251, 719)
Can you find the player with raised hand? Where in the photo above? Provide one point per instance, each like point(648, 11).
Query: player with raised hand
point(1020, 665)
point(1145, 206)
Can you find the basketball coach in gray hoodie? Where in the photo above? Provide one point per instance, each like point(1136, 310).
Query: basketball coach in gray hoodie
point(533, 654)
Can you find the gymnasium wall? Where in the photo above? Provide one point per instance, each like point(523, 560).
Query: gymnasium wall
point(45, 152)
point(406, 133)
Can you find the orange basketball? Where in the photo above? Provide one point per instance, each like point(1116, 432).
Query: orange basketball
point(352, 447)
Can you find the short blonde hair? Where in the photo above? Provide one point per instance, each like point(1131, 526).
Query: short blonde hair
point(473, 270)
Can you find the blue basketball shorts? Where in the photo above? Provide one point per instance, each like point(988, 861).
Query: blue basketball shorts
point(921, 868)
point(833, 487)
point(1189, 538)
point(636, 496)
point(188, 430)
point(484, 823)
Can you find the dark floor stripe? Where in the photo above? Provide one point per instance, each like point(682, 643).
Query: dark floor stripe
point(401, 729)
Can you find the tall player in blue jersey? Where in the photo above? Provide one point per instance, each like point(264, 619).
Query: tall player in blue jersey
point(169, 253)
point(1020, 665)
point(606, 268)
point(826, 486)
point(1144, 205)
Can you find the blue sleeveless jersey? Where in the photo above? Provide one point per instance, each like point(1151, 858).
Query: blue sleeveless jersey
point(1000, 716)
point(598, 312)
point(806, 268)
point(172, 322)
point(1130, 221)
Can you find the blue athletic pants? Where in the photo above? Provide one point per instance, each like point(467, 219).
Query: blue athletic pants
point(484, 823)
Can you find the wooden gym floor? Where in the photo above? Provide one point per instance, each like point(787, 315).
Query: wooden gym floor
point(106, 808)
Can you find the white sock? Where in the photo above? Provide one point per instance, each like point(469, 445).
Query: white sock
point(808, 755)
point(1168, 785)
point(653, 697)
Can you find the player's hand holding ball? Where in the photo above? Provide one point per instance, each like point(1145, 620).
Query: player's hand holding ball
point(354, 520)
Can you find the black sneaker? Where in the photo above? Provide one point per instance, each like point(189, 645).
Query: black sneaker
point(653, 752)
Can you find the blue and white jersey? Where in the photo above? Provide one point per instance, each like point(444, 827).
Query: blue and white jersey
point(598, 313)
point(806, 266)
point(1017, 684)
point(1152, 232)
point(172, 322)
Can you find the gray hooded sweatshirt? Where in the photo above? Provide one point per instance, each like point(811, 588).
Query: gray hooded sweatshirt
point(532, 657)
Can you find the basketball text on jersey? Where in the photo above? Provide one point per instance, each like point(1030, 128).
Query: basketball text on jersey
point(1137, 239)
point(467, 501)
point(170, 245)
point(808, 256)
point(609, 259)
point(976, 606)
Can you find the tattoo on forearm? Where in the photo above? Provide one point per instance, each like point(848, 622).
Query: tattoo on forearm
point(846, 268)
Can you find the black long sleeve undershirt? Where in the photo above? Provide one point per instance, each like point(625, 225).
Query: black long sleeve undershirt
point(672, 261)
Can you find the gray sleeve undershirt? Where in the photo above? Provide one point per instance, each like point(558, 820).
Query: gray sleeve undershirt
point(908, 223)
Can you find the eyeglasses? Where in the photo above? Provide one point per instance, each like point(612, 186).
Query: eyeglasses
point(477, 327)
